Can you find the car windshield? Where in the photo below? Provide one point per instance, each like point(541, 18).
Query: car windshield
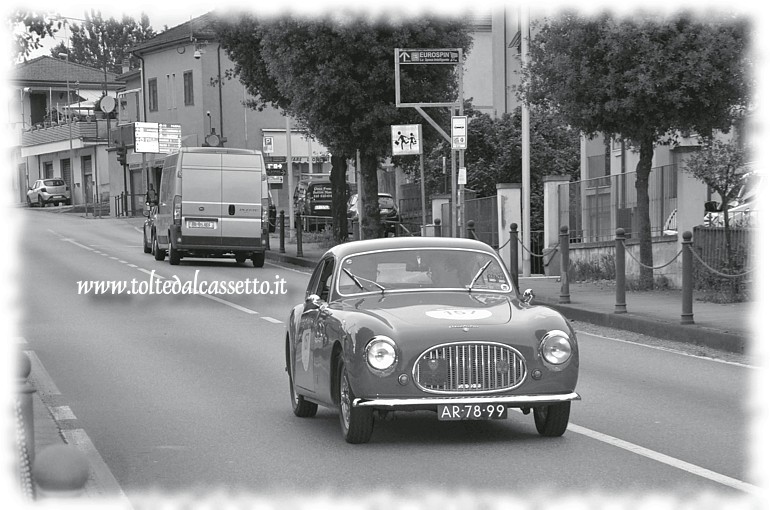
point(420, 269)
point(386, 202)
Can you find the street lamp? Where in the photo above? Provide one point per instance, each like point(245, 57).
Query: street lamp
point(69, 124)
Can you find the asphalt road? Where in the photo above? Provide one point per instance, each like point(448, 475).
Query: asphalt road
point(184, 393)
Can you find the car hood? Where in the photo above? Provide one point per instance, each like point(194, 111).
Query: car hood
point(426, 309)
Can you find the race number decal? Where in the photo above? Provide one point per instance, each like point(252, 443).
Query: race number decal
point(459, 314)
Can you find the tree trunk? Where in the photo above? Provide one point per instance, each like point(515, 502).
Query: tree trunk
point(340, 195)
point(370, 221)
point(643, 169)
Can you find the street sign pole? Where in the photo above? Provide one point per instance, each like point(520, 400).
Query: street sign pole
point(462, 151)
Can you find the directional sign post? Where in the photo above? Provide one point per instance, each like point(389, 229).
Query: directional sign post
point(429, 56)
point(267, 144)
point(459, 132)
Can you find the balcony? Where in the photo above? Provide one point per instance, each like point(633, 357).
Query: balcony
point(94, 130)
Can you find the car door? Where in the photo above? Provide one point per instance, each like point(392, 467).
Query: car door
point(309, 330)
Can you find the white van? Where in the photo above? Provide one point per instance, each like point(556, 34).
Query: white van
point(211, 203)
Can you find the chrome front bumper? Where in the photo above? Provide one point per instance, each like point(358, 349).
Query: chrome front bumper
point(511, 400)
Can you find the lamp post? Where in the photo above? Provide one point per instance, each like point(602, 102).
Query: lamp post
point(69, 124)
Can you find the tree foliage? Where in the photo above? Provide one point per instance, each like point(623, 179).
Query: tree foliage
point(105, 43)
point(336, 76)
point(641, 79)
point(29, 28)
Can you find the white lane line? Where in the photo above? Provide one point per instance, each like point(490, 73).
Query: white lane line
point(133, 265)
point(77, 244)
point(270, 319)
point(228, 303)
point(665, 459)
point(151, 273)
point(62, 413)
point(39, 377)
point(101, 483)
point(666, 349)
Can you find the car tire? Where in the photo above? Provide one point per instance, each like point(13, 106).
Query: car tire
point(357, 422)
point(299, 405)
point(29, 203)
point(258, 259)
point(174, 257)
point(156, 251)
point(552, 420)
point(40, 202)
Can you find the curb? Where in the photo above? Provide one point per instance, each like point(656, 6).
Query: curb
point(290, 259)
point(692, 334)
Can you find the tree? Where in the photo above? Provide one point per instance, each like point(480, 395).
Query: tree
point(29, 27)
point(720, 165)
point(641, 79)
point(337, 78)
point(104, 44)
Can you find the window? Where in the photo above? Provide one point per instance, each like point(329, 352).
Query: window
point(152, 94)
point(188, 89)
point(170, 88)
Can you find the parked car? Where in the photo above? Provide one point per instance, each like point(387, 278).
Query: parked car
point(48, 191)
point(426, 323)
point(148, 229)
point(389, 216)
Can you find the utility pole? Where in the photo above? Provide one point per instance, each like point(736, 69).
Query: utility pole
point(525, 184)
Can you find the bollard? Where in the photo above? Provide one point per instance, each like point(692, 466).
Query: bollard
point(514, 249)
point(61, 471)
point(299, 239)
point(25, 392)
point(437, 227)
point(687, 284)
point(620, 271)
point(470, 230)
point(282, 232)
point(564, 248)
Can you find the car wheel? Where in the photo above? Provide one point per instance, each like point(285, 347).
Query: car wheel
point(173, 255)
point(552, 420)
point(40, 202)
point(357, 422)
point(240, 258)
point(145, 246)
point(299, 405)
point(159, 254)
point(29, 203)
point(258, 259)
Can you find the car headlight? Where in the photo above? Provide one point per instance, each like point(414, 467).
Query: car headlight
point(381, 353)
point(555, 347)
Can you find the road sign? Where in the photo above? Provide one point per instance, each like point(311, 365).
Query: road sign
point(429, 56)
point(267, 144)
point(407, 139)
point(462, 176)
point(169, 138)
point(459, 132)
point(146, 137)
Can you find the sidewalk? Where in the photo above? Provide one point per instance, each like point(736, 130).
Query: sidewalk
point(655, 313)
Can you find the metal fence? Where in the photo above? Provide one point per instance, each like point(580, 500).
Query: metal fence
point(594, 208)
point(483, 212)
point(710, 245)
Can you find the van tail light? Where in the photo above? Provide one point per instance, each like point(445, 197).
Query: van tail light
point(177, 210)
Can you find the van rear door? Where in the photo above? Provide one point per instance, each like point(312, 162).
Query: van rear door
point(201, 197)
point(242, 198)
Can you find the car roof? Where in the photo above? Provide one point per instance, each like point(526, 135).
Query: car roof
point(416, 242)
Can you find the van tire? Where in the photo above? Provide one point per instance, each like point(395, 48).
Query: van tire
point(173, 255)
point(258, 259)
point(156, 251)
point(240, 258)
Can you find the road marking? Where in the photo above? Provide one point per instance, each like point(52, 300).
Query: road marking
point(101, 483)
point(666, 349)
point(62, 413)
point(306, 271)
point(270, 319)
point(77, 243)
point(156, 275)
point(665, 459)
point(39, 377)
point(228, 303)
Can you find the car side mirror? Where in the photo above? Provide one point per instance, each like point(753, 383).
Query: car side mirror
point(528, 296)
point(712, 207)
point(313, 302)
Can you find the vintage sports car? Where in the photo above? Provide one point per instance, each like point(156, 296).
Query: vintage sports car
point(426, 323)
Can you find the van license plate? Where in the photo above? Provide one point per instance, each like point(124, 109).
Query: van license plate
point(201, 224)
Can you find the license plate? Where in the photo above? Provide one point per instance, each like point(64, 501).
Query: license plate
point(201, 224)
point(457, 412)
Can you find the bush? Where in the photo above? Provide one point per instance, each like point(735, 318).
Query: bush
point(602, 269)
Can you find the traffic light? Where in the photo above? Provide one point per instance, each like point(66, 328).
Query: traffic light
point(121, 152)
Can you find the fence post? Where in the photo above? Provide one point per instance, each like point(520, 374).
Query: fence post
point(299, 238)
point(282, 232)
point(687, 283)
point(564, 248)
point(514, 251)
point(437, 227)
point(620, 271)
point(470, 230)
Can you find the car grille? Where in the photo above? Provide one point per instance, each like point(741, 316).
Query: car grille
point(469, 367)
